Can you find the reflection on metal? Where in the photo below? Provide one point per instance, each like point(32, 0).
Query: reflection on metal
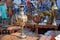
point(54, 22)
point(55, 10)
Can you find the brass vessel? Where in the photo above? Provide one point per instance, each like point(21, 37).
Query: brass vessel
point(55, 11)
point(21, 20)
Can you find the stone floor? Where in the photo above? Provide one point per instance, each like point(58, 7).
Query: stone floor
point(16, 36)
point(30, 35)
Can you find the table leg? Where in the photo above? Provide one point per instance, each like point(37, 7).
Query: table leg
point(37, 31)
point(12, 31)
point(0, 31)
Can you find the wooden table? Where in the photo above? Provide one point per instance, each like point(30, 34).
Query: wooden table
point(13, 28)
point(45, 26)
point(41, 26)
point(30, 25)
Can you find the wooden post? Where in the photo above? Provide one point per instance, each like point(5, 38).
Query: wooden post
point(0, 31)
point(36, 29)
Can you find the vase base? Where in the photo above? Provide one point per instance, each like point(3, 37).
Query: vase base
point(22, 36)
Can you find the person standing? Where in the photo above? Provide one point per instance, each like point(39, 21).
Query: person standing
point(3, 10)
point(9, 4)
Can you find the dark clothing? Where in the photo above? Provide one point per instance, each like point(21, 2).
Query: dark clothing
point(0, 0)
